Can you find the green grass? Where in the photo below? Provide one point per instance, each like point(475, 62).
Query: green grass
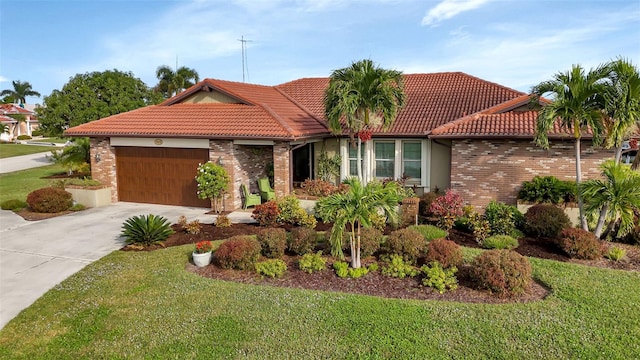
point(18, 184)
point(53, 140)
point(10, 150)
point(146, 305)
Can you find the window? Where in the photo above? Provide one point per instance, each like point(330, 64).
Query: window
point(412, 160)
point(385, 155)
point(353, 159)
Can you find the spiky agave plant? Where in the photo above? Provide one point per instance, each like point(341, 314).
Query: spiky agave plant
point(146, 229)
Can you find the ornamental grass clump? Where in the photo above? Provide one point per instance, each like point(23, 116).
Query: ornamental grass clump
point(238, 252)
point(503, 272)
point(146, 229)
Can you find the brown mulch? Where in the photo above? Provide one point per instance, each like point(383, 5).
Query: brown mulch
point(35, 216)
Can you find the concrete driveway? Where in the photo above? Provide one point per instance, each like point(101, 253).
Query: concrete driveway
point(23, 162)
point(36, 256)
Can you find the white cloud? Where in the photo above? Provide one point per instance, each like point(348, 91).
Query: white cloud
point(3, 79)
point(450, 8)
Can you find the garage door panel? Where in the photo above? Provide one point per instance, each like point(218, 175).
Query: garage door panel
point(159, 175)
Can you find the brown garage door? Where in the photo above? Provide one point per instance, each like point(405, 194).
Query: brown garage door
point(159, 175)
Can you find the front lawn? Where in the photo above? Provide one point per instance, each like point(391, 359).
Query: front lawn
point(146, 305)
point(10, 150)
point(18, 184)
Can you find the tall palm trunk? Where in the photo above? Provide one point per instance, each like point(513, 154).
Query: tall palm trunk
point(583, 220)
point(618, 154)
point(355, 247)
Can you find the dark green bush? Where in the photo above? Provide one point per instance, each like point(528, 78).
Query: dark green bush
point(502, 218)
point(370, 240)
point(49, 200)
point(146, 229)
point(238, 252)
point(302, 240)
point(24, 137)
point(425, 203)
point(580, 244)
point(547, 189)
point(407, 243)
point(445, 252)
point(545, 220)
point(13, 205)
point(504, 272)
point(429, 232)
point(273, 242)
point(500, 242)
point(37, 132)
point(272, 268)
point(311, 262)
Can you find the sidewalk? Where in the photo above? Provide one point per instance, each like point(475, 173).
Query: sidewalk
point(23, 162)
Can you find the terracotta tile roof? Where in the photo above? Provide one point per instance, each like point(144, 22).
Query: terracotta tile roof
point(261, 111)
point(13, 109)
point(432, 99)
point(510, 119)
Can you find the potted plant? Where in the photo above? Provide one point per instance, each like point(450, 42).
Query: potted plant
point(202, 253)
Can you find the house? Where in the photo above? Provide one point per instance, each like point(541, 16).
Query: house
point(20, 119)
point(456, 131)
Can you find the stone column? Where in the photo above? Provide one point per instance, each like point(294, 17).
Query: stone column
point(281, 169)
point(104, 170)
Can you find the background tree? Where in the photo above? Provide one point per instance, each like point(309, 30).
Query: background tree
point(366, 97)
point(172, 82)
point(20, 91)
point(578, 104)
point(355, 209)
point(91, 96)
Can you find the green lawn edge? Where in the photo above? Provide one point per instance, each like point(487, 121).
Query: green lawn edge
point(146, 305)
point(11, 150)
point(18, 184)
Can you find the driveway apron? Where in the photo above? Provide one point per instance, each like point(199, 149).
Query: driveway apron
point(36, 256)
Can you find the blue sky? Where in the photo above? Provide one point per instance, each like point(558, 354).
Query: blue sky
point(516, 43)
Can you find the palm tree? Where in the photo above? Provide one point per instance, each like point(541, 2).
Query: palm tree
point(578, 104)
point(367, 97)
point(622, 104)
point(619, 190)
point(75, 156)
point(355, 209)
point(172, 82)
point(21, 89)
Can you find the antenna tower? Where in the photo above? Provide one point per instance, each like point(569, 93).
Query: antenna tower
point(245, 64)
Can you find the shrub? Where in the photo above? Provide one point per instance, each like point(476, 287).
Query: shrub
point(321, 188)
point(327, 241)
point(425, 203)
point(429, 232)
point(311, 262)
point(463, 223)
point(396, 267)
point(146, 229)
point(85, 182)
point(545, 220)
point(292, 213)
point(616, 253)
point(580, 244)
point(370, 240)
point(213, 181)
point(193, 227)
point(273, 242)
point(24, 137)
point(438, 278)
point(547, 189)
point(223, 221)
point(501, 217)
point(302, 240)
point(504, 272)
point(266, 214)
point(480, 227)
point(77, 207)
point(182, 221)
point(447, 209)
point(37, 132)
point(272, 268)
point(49, 200)
point(378, 221)
point(13, 205)
point(500, 242)
point(343, 270)
point(407, 243)
point(238, 252)
point(445, 252)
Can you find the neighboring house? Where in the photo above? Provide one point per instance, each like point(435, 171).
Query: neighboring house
point(18, 127)
point(455, 131)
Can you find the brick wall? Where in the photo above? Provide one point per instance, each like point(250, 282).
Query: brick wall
point(105, 169)
point(482, 170)
point(281, 168)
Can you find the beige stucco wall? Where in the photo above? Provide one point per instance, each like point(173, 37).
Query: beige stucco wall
point(213, 97)
point(331, 146)
point(440, 164)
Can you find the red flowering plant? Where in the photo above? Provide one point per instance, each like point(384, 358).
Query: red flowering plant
point(203, 247)
point(633, 144)
point(447, 209)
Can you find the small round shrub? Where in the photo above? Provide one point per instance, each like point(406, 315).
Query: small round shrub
point(238, 252)
point(500, 242)
point(545, 220)
point(501, 217)
point(311, 262)
point(49, 200)
point(445, 252)
point(580, 244)
point(407, 243)
point(302, 240)
point(24, 137)
point(13, 205)
point(425, 203)
point(266, 214)
point(223, 221)
point(370, 240)
point(429, 232)
point(273, 242)
point(272, 268)
point(504, 272)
